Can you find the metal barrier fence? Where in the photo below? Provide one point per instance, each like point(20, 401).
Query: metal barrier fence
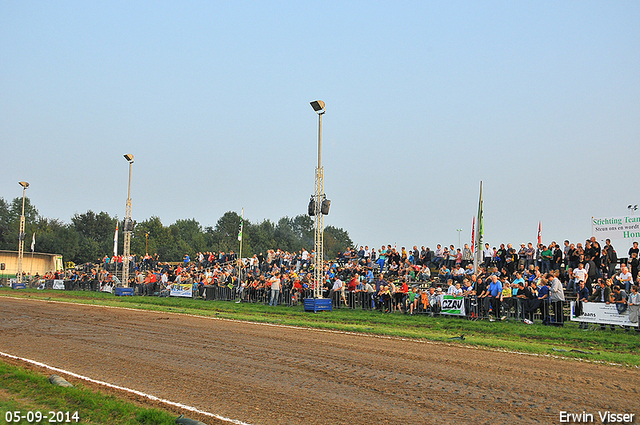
point(474, 307)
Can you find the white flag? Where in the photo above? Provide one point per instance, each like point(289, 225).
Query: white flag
point(115, 242)
point(33, 242)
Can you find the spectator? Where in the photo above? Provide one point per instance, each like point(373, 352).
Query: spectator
point(602, 293)
point(556, 297)
point(634, 306)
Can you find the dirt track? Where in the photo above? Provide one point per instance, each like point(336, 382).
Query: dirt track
point(275, 375)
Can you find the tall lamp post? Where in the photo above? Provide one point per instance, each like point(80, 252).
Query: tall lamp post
point(128, 228)
point(459, 241)
point(21, 235)
point(632, 208)
point(318, 208)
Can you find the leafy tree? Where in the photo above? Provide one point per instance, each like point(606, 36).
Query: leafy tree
point(285, 236)
point(4, 224)
point(189, 231)
point(159, 236)
point(54, 236)
point(303, 227)
point(224, 236)
point(10, 221)
point(263, 237)
point(96, 235)
point(335, 240)
point(89, 236)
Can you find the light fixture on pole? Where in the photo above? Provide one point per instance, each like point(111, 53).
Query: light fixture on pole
point(459, 241)
point(318, 207)
point(21, 235)
point(128, 228)
point(632, 208)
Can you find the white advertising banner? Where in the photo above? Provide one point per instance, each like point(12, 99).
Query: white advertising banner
point(181, 290)
point(452, 305)
point(58, 284)
point(601, 313)
point(615, 227)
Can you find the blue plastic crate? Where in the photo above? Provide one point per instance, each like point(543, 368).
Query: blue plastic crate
point(124, 292)
point(318, 304)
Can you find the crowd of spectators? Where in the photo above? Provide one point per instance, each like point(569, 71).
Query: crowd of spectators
point(508, 282)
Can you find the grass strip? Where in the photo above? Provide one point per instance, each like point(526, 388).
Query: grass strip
point(605, 346)
point(24, 391)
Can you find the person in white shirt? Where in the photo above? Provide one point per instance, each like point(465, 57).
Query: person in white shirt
point(275, 290)
point(487, 255)
point(625, 278)
point(580, 275)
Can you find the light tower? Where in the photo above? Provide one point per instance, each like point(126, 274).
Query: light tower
point(21, 235)
point(128, 228)
point(319, 207)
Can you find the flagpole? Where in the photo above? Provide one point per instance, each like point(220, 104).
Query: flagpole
point(473, 236)
point(240, 251)
point(479, 233)
point(33, 246)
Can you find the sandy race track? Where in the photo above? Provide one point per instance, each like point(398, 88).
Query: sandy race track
point(263, 374)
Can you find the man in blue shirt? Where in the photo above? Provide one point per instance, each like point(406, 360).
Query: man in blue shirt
point(369, 276)
point(542, 303)
point(495, 295)
point(583, 297)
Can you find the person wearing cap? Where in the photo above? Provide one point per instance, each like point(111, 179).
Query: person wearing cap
point(522, 256)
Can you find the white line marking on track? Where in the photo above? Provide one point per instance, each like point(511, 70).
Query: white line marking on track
point(129, 390)
point(302, 328)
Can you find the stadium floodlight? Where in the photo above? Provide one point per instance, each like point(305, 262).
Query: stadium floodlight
point(318, 106)
point(128, 228)
point(316, 204)
point(21, 235)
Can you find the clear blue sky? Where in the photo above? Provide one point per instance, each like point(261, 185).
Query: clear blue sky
point(540, 100)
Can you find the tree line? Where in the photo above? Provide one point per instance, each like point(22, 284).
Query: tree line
point(89, 236)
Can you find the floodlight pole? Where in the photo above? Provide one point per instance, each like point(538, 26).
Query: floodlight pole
point(318, 263)
point(21, 235)
point(127, 231)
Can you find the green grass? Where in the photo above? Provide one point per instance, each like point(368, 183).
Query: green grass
point(23, 390)
point(606, 346)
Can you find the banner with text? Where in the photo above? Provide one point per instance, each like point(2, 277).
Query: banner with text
point(181, 290)
point(452, 305)
point(601, 313)
point(615, 227)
